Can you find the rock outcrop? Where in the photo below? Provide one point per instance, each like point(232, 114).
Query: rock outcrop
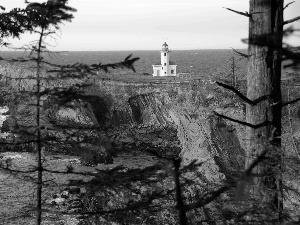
point(130, 115)
point(186, 110)
point(168, 120)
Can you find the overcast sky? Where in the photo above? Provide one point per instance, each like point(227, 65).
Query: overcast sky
point(146, 24)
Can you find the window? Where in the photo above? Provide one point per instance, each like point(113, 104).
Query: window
point(165, 54)
point(172, 71)
point(165, 72)
point(165, 64)
point(162, 68)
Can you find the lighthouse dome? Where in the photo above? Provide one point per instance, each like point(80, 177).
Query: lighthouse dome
point(165, 47)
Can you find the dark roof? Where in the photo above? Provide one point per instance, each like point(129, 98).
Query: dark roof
point(171, 63)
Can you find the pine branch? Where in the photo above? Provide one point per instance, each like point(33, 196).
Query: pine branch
point(138, 206)
point(287, 5)
point(72, 172)
point(14, 23)
point(213, 195)
point(263, 40)
point(77, 127)
point(204, 201)
point(244, 123)
point(241, 13)
point(126, 64)
point(83, 68)
point(270, 41)
point(243, 97)
point(17, 143)
point(17, 171)
point(178, 191)
point(291, 20)
point(260, 158)
point(116, 173)
point(19, 59)
point(293, 56)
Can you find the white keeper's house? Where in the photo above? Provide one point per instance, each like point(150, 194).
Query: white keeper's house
point(165, 67)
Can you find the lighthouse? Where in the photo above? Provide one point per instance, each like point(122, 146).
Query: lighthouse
point(165, 67)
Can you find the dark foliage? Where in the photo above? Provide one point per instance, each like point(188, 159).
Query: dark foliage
point(13, 24)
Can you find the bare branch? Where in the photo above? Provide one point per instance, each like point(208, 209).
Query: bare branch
point(286, 103)
point(240, 53)
point(241, 13)
point(244, 123)
point(261, 157)
point(291, 20)
point(287, 5)
point(290, 102)
point(243, 97)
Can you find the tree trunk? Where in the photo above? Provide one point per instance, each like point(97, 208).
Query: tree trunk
point(233, 74)
point(38, 137)
point(263, 78)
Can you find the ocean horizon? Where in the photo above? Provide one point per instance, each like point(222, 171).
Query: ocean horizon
point(203, 62)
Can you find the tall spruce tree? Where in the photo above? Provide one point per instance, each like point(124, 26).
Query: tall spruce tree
point(264, 100)
point(44, 19)
point(263, 81)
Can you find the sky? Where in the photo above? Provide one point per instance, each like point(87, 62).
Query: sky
point(101, 25)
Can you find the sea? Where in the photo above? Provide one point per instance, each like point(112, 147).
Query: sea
point(211, 62)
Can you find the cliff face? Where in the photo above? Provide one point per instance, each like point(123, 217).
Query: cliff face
point(184, 111)
point(147, 109)
point(180, 118)
point(135, 104)
point(167, 118)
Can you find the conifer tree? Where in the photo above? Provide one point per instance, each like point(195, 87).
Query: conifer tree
point(264, 101)
point(44, 19)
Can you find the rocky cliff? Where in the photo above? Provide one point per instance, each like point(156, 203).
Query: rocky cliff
point(176, 115)
point(177, 119)
point(166, 118)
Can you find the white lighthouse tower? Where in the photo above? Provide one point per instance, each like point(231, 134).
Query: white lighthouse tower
point(165, 67)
